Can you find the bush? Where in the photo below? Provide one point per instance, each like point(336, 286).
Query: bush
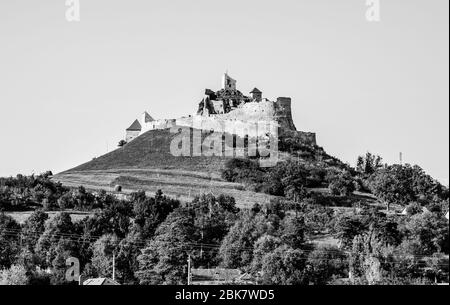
point(414, 208)
point(341, 183)
point(16, 275)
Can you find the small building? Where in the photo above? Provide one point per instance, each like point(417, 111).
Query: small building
point(405, 211)
point(256, 94)
point(133, 131)
point(101, 281)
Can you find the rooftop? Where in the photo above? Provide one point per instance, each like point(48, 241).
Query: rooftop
point(136, 126)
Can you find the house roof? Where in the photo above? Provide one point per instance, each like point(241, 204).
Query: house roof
point(405, 211)
point(218, 274)
point(256, 90)
point(136, 126)
point(148, 117)
point(101, 281)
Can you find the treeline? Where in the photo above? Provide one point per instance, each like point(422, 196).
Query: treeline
point(399, 184)
point(36, 251)
point(23, 193)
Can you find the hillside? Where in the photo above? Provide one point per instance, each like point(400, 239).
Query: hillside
point(147, 164)
point(151, 151)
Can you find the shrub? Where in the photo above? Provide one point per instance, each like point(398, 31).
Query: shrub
point(16, 275)
point(340, 183)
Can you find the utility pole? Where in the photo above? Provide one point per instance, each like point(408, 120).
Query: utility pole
point(114, 266)
point(401, 158)
point(189, 270)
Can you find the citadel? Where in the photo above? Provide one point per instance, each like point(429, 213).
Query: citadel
point(233, 111)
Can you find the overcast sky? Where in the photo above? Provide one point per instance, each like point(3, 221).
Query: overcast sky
point(68, 90)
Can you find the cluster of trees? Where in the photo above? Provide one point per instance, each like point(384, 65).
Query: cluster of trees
point(151, 238)
point(23, 192)
point(279, 180)
point(403, 184)
point(395, 249)
point(31, 192)
point(399, 184)
point(36, 251)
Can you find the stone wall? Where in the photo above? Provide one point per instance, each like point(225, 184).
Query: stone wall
point(158, 124)
point(131, 135)
point(236, 121)
point(283, 113)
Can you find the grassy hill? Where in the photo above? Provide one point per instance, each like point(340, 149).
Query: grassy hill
point(152, 150)
point(147, 164)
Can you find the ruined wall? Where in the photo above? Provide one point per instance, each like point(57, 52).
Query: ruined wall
point(253, 111)
point(283, 113)
point(158, 124)
point(306, 137)
point(220, 124)
point(236, 121)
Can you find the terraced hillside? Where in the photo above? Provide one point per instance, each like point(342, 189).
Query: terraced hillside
point(147, 164)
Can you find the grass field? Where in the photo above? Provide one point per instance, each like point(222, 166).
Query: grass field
point(182, 185)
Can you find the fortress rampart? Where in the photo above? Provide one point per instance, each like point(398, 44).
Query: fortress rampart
point(232, 112)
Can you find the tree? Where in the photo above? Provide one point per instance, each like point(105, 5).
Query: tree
point(265, 244)
point(164, 259)
point(115, 219)
point(15, 275)
point(340, 182)
point(284, 266)
point(103, 251)
point(346, 228)
point(57, 237)
point(369, 164)
point(60, 252)
point(403, 184)
point(236, 250)
point(127, 263)
point(428, 232)
point(33, 228)
point(326, 262)
point(213, 218)
point(293, 233)
point(149, 213)
point(438, 268)
point(296, 193)
point(9, 247)
point(122, 143)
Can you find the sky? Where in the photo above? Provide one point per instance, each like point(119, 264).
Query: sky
point(68, 90)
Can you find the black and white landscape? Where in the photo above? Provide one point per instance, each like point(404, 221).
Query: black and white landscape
point(205, 142)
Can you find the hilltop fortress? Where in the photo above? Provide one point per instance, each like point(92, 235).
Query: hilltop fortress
point(230, 109)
